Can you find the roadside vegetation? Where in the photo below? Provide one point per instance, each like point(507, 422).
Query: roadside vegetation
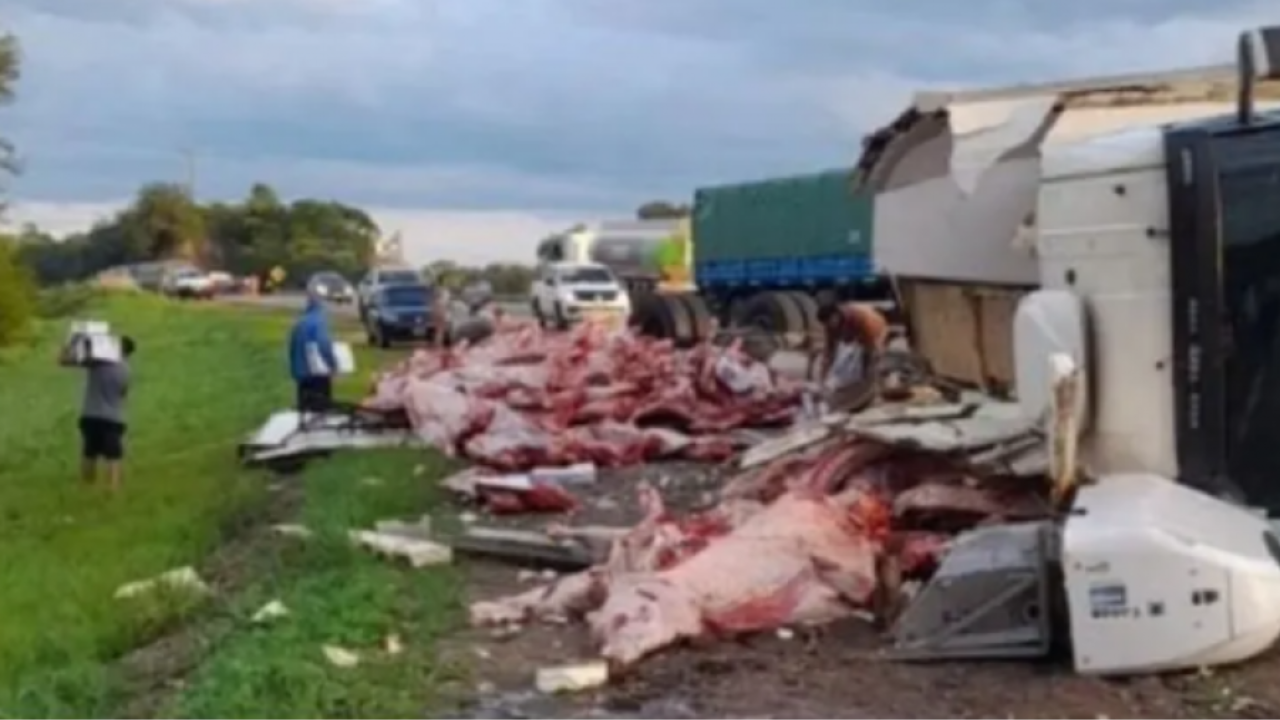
point(204, 376)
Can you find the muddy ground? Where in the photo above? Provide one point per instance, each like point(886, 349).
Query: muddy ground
point(831, 672)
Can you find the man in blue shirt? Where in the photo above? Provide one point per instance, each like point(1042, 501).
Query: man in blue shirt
point(311, 358)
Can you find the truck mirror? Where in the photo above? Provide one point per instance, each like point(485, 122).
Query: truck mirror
point(1258, 58)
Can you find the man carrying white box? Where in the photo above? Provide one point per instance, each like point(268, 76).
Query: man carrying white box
point(102, 411)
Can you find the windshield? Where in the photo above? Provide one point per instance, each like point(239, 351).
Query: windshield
point(1249, 184)
point(330, 279)
point(406, 296)
point(398, 276)
point(585, 275)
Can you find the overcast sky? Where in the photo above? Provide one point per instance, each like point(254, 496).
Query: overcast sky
point(474, 126)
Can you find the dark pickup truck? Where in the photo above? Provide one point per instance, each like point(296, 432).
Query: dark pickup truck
point(400, 312)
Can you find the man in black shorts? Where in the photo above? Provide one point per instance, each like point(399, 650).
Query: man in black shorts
point(102, 416)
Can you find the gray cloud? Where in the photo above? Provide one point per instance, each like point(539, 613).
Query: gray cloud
point(537, 104)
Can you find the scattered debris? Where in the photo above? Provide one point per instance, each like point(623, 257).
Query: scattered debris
point(292, 530)
point(418, 551)
point(273, 610)
point(393, 645)
point(524, 547)
point(340, 657)
point(420, 530)
point(184, 579)
point(572, 678)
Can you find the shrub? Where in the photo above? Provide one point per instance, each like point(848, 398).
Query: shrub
point(17, 297)
point(63, 301)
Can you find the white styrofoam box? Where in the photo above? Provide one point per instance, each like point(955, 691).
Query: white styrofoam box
point(342, 353)
point(96, 348)
point(88, 327)
point(346, 358)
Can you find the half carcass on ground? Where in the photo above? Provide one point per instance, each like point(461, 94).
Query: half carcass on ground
point(524, 398)
point(824, 531)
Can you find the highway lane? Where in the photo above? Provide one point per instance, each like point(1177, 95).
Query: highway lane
point(295, 301)
point(787, 362)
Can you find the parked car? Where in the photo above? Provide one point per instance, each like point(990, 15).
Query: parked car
point(380, 277)
point(564, 293)
point(400, 312)
point(332, 287)
point(188, 284)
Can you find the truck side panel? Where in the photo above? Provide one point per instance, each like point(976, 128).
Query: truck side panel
point(803, 230)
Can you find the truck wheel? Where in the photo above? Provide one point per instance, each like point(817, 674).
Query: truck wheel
point(645, 314)
point(384, 340)
point(807, 308)
point(678, 323)
point(562, 322)
point(774, 313)
point(537, 314)
point(699, 316)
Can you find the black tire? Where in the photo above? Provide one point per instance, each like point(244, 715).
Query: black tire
point(807, 313)
point(773, 313)
point(678, 321)
point(384, 340)
point(562, 322)
point(666, 317)
point(646, 316)
point(699, 317)
point(537, 314)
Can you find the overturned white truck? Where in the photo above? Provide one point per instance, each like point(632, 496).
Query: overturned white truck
point(1128, 226)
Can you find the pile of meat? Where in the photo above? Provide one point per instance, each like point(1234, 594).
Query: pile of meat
point(525, 398)
point(828, 530)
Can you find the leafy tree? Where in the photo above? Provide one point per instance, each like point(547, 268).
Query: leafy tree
point(248, 238)
point(662, 210)
point(165, 224)
point(17, 295)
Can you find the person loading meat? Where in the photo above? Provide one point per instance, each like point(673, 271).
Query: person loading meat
point(857, 326)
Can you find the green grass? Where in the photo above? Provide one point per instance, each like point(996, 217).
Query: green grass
point(340, 595)
point(203, 377)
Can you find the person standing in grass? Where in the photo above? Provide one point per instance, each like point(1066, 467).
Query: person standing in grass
point(102, 415)
point(311, 358)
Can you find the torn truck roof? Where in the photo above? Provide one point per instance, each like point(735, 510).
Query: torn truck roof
point(971, 160)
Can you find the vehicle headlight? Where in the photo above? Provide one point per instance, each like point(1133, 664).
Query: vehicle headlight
point(568, 295)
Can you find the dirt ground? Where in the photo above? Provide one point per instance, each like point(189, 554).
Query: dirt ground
point(152, 675)
point(831, 672)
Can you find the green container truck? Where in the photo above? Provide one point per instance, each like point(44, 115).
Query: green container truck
point(763, 254)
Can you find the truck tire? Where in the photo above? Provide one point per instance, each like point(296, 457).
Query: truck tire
point(699, 316)
point(776, 314)
point(809, 316)
point(678, 321)
point(665, 317)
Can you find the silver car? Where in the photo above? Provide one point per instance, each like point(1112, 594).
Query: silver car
point(332, 287)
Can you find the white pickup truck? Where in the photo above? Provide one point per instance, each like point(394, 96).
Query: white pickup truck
point(189, 283)
point(564, 293)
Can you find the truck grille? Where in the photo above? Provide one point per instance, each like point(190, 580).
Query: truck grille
point(601, 296)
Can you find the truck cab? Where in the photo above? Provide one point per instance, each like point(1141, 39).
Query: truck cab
point(1151, 199)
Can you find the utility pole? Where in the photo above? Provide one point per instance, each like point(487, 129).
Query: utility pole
point(189, 158)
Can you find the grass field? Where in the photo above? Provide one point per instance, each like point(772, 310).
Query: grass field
point(203, 377)
point(339, 595)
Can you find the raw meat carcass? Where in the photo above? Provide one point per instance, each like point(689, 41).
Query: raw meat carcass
point(524, 397)
point(810, 537)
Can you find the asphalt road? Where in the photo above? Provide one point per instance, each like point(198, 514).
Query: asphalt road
point(295, 301)
point(786, 361)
